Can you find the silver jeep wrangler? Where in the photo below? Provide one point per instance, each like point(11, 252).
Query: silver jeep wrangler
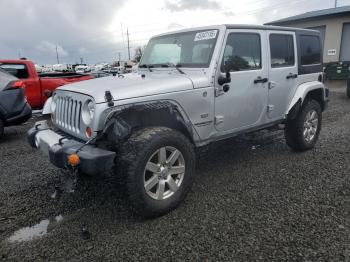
point(193, 87)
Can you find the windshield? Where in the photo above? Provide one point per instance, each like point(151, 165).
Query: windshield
point(189, 49)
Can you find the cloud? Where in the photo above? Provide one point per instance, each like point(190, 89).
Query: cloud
point(173, 26)
point(50, 48)
point(82, 51)
point(181, 5)
point(34, 27)
point(91, 29)
point(228, 13)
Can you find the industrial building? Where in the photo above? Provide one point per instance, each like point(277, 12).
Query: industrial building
point(334, 26)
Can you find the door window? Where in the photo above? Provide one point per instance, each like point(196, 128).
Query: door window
point(242, 52)
point(282, 50)
point(310, 50)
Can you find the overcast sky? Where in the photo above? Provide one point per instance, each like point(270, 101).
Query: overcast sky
point(96, 29)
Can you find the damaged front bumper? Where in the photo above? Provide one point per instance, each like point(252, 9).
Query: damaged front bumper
point(58, 148)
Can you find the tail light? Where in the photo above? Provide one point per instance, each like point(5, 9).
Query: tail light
point(14, 85)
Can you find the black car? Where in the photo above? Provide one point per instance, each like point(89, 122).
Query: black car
point(14, 108)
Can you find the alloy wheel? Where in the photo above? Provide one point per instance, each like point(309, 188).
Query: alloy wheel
point(310, 126)
point(164, 173)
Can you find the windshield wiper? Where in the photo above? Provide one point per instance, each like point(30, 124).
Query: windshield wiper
point(147, 66)
point(173, 66)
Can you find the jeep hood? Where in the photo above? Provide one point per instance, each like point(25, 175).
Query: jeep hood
point(131, 86)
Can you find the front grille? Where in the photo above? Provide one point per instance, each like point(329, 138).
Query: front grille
point(68, 114)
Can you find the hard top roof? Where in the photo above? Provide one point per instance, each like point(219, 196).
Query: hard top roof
point(239, 26)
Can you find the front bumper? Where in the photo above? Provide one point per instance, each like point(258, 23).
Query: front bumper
point(93, 160)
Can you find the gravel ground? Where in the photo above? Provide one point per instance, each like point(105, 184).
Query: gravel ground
point(253, 199)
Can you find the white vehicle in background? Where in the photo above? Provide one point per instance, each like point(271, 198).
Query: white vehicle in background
point(39, 68)
point(61, 67)
point(82, 69)
point(98, 67)
point(135, 68)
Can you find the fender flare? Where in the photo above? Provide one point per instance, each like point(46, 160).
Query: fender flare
point(122, 120)
point(302, 91)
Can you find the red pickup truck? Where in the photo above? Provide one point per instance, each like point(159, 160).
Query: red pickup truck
point(39, 86)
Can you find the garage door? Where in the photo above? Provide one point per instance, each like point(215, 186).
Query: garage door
point(322, 30)
point(345, 43)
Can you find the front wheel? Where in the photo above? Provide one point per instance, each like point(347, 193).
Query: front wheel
point(159, 167)
point(302, 133)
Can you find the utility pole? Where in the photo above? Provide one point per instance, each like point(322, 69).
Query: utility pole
point(81, 60)
point(335, 3)
point(58, 61)
point(127, 33)
point(119, 58)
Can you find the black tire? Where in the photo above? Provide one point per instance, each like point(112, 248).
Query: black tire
point(295, 127)
point(1, 128)
point(132, 160)
point(348, 88)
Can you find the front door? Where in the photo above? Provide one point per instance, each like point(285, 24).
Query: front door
point(241, 104)
point(283, 72)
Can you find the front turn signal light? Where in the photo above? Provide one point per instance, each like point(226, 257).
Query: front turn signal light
point(74, 160)
point(89, 132)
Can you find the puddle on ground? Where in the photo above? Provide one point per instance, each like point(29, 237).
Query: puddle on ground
point(34, 232)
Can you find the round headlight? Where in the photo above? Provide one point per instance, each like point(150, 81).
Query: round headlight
point(88, 112)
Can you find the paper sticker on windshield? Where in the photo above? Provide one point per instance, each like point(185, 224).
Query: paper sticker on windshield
point(205, 35)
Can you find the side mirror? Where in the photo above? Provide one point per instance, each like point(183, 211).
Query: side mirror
point(225, 79)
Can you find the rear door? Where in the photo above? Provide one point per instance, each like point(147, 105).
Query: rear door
point(241, 104)
point(283, 72)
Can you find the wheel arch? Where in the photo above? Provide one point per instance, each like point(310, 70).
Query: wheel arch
point(314, 90)
point(122, 122)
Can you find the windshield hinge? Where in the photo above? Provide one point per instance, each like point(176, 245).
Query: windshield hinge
point(109, 98)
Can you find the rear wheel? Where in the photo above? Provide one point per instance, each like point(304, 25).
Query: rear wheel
point(302, 133)
point(348, 88)
point(159, 167)
point(1, 128)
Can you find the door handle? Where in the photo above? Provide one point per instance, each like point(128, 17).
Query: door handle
point(260, 80)
point(291, 76)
